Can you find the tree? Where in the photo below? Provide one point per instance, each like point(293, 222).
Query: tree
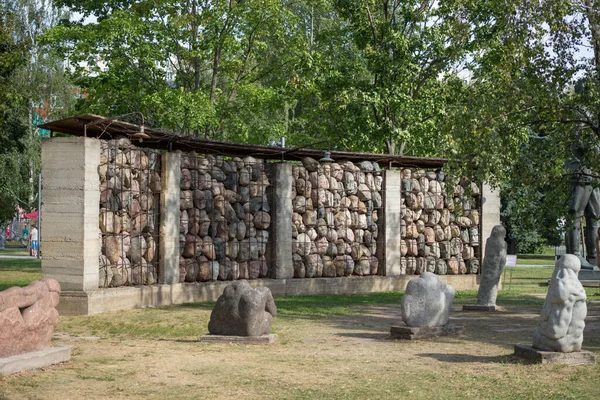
point(29, 78)
point(13, 54)
point(196, 67)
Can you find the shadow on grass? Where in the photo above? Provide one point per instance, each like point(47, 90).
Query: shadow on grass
point(200, 306)
point(367, 335)
point(468, 358)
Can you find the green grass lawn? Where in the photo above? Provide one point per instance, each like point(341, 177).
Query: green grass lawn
point(15, 252)
point(328, 346)
point(19, 272)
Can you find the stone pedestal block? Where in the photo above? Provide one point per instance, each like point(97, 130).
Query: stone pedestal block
point(35, 359)
point(264, 339)
point(552, 357)
point(70, 231)
point(170, 214)
point(477, 307)
point(490, 213)
point(392, 220)
point(280, 197)
point(423, 332)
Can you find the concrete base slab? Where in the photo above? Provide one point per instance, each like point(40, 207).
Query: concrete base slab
point(478, 307)
point(122, 298)
point(590, 278)
point(35, 359)
point(423, 332)
point(589, 275)
point(264, 339)
point(591, 284)
point(550, 357)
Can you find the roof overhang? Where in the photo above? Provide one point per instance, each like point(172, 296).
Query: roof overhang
point(96, 126)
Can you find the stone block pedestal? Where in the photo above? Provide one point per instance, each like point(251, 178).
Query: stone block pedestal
point(551, 357)
point(264, 339)
point(478, 307)
point(35, 359)
point(423, 332)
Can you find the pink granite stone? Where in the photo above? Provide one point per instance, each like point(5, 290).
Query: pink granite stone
point(28, 316)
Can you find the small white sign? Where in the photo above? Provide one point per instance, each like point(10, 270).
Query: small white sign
point(511, 260)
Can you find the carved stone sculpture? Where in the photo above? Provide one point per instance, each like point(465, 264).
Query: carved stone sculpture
point(28, 316)
point(493, 265)
point(243, 311)
point(427, 301)
point(562, 318)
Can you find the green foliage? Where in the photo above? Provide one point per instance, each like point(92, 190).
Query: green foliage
point(194, 67)
point(30, 78)
point(487, 84)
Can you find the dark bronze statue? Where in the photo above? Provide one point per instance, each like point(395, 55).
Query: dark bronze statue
point(584, 201)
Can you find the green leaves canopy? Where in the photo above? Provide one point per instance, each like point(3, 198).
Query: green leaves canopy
point(487, 83)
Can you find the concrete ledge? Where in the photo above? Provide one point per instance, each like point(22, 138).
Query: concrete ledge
point(264, 339)
point(478, 307)
point(589, 276)
point(594, 284)
point(35, 359)
point(111, 299)
point(424, 332)
point(550, 357)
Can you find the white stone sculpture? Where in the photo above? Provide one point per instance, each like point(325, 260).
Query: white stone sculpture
point(562, 318)
point(427, 301)
point(493, 265)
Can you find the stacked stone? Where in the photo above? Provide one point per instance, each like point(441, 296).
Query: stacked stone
point(334, 221)
point(224, 218)
point(439, 230)
point(130, 185)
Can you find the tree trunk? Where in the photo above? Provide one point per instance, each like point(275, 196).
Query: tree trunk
point(390, 146)
point(594, 24)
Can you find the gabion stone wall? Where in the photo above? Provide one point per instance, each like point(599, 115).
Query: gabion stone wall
point(130, 186)
point(334, 222)
point(439, 231)
point(224, 218)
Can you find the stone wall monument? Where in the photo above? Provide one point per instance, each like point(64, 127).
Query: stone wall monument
point(425, 308)
point(559, 334)
point(493, 265)
point(243, 311)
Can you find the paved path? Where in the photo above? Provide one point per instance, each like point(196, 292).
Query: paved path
point(15, 256)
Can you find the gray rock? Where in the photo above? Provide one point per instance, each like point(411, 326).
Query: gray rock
point(299, 268)
point(411, 265)
point(562, 319)
point(441, 267)
point(217, 174)
point(310, 164)
point(493, 264)
point(243, 311)
point(314, 266)
point(472, 266)
point(427, 301)
point(365, 166)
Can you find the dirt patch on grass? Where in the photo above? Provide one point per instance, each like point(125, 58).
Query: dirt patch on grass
point(341, 356)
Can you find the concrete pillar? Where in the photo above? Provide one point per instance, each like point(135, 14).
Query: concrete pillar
point(280, 197)
point(170, 214)
point(490, 214)
point(70, 209)
point(391, 217)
